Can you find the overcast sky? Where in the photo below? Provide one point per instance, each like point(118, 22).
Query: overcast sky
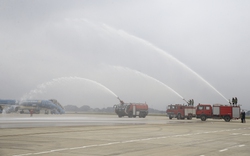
point(88, 52)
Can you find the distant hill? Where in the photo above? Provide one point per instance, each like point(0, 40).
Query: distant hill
point(71, 108)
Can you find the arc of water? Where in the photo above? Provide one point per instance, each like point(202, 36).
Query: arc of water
point(162, 52)
point(44, 85)
point(98, 84)
point(147, 76)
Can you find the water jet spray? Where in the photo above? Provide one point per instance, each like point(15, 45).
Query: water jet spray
point(62, 79)
point(147, 76)
point(124, 34)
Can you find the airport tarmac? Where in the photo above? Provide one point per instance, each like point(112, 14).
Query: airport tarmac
point(108, 135)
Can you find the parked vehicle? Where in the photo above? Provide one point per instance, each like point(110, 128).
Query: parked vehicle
point(131, 109)
point(226, 112)
point(180, 111)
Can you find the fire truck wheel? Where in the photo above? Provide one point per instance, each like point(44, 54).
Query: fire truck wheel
point(170, 117)
point(189, 117)
point(119, 116)
point(130, 114)
point(227, 118)
point(140, 114)
point(179, 116)
point(203, 118)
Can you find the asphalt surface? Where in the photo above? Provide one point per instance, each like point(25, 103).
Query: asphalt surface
point(108, 135)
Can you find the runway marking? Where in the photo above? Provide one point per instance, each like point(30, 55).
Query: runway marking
point(137, 140)
point(236, 133)
point(240, 134)
point(214, 131)
point(187, 134)
point(56, 150)
point(104, 144)
point(73, 148)
point(231, 147)
point(42, 152)
point(223, 150)
point(161, 137)
point(130, 141)
point(147, 139)
point(111, 143)
point(24, 154)
point(91, 146)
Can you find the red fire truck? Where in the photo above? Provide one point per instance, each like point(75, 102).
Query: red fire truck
point(217, 111)
point(131, 109)
point(180, 111)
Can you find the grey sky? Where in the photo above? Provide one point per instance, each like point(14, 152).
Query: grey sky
point(111, 41)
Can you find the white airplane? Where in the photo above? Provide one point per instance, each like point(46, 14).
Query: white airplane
point(35, 105)
point(8, 105)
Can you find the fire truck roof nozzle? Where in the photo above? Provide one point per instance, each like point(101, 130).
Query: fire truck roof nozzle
point(120, 100)
point(229, 101)
point(185, 100)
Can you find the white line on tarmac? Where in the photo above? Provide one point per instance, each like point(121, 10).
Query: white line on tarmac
point(213, 131)
point(91, 146)
point(223, 150)
point(128, 141)
point(231, 147)
point(161, 137)
point(146, 139)
point(242, 145)
point(56, 150)
point(111, 143)
point(74, 148)
point(236, 133)
point(24, 154)
point(42, 152)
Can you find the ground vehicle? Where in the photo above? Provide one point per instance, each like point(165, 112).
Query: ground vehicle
point(226, 112)
point(131, 109)
point(180, 111)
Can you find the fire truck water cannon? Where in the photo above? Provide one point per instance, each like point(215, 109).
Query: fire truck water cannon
point(131, 109)
point(189, 102)
point(121, 102)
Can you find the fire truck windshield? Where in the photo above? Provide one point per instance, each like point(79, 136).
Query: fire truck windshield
point(200, 107)
point(171, 107)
